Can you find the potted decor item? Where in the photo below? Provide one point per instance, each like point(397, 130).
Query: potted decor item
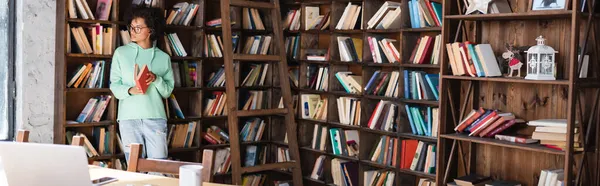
point(541, 61)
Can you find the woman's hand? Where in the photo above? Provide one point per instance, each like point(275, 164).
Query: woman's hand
point(151, 78)
point(135, 91)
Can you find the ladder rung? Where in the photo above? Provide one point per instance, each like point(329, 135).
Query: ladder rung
point(261, 112)
point(251, 4)
point(265, 167)
point(254, 57)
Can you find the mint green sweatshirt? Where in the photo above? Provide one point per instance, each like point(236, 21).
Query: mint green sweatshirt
point(149, 105)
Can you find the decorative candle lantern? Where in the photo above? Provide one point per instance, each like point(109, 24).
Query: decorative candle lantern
point(541, 61)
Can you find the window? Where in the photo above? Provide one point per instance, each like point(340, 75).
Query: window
point(6, 69)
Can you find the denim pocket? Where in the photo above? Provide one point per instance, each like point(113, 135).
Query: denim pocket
point(157, 125)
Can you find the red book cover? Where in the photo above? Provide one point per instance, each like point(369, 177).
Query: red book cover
point(373, 115)
point(389, 46)
point(380, 84)
point(471, 66)
point(141, 77)
point(428, 3)
point(427, 50)
point(463, 125)
point(216, 102)
point(475, 130)
point(409, 148)
point(502, 128)
point(209, 139)
point(495, 125)
point(412, 55)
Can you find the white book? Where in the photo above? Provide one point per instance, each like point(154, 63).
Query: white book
point(340, 24)
point(179, 45)
point(381, 11)
point(354, 19)
point(376, 48)
point(312, 13)
point(548, 123)
point(488, 60)
point(266, 45)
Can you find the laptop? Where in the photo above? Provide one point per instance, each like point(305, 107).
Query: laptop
point(31, 164)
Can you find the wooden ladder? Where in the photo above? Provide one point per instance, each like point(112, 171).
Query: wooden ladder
point(234, 113)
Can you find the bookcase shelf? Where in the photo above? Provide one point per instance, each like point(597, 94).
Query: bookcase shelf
point(506, 80)
point(74, 90)
point(534, 15)
point(418, 137)
point(94, 124)
point(494, 142)
point(90, 21)
point(73, 55)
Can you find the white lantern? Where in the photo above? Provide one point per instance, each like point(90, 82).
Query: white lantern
point(541, 61)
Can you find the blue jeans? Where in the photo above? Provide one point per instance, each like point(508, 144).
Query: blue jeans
point(151, 133)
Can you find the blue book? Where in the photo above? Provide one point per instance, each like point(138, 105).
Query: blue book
point(410, 13)
point(476, 61)
point(373, 78)
point(417, 14)
point(341, 80)
point(421, 121)
point(413, 85)
point(437, 8)
point(335, 141)
point(429, 121)
point(406, 85)
point(433, 82)
point(410, 119)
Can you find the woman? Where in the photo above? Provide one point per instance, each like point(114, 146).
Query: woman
point(141, 116)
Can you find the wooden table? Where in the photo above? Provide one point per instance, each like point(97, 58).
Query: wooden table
point(131, 178)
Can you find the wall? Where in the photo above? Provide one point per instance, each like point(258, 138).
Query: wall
point(34, 71)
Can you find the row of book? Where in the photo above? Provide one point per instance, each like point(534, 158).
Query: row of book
point(257, 75)
point(419, 85)
point(100, 41)
point(386, 17)
point(255, 100)
point(350, 49)
point(423, 120)
point(215, 106)
point(350, 82)
point(103, 9)
point(551, 133)
point(344, 172)
point(182, 13)
point(252, 19)
point(344, 142)
point(383, 50)
point(350, 18)
point(255, 155)
point(292, 46)
point(185, 74)
point(474, 60)
point(90, 75)
point(213, 45)
point(283, 155)
point(254, 180)
point(313, 107)
point(315, 21)
point(385, 151)
point(349, 110)
point(317, 77)
point(418, 156)
point(93, 110)
point(379, 177)
point(486, 122)
point(98, 145)
point(292, 20)
point(427, 50)
point(222, 161)
point(215, 135)
point(172, 108)
point(253, 130)
point(551, 177)
point(217, 79)
point(319, 139)
point(181, 135)
point(383, 84)
point(425, 13)
point(257, 45)
point(384, 116)
point(173, 45)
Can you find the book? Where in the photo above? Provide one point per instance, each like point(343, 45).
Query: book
point(141, 77)
point(472, 179)
point(516, 139)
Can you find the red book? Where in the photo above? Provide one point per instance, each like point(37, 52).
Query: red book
point(427, 50)
point(495, 125)
point(409, 148)
point(141, 77)
point(209, 139)
point(373, 115)
point(475, 130)
point(470, 119)
point(412, 55)
point(428, 3)
point(516, 139)
point(394, 158)
point(502, 128)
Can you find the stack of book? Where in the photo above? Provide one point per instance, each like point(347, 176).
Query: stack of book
point(386, 16)
point(252, 19)
point(471, 179)
point(350, 48)
point(103, 9)
point(383, 84)
point(383, 50)
point(425, 13)
point(185, 74)
point(472, 60)
point(89, 148)
point(213, 45)
point(173, 109)
point(257, 45)
point(317, 54)
point(314, 21)
point(125, 37)
point(419, 85)
point(351, 16)
point(553, 133)
point(254, 180)
point(317, 77)
point(100, 41)
point(350, 82)
point(217, 79)
point(182, 135)
point(344, 142)
point(385, 151)
point(283, 155)
point(344, 172)
point(216, 104)
point(427, 182)
point(222, 163)
point(292, 20)
point(182, 13)
point(253, 130)
point(292, 46)
point(173, 45)
point(486, 123)
point(317, 171)
point(93, 110)
point(423, 120)
point(257, 75)
point(216, 23)
point(293, 74)
point(256, 100)
point(418, 156)
point(427, 50)
point(313, 107)
point(90, 75)
point(550, 177)
point(349, 110)
point(255, 155)
point(379, 177)
point(215, 135)
point(384, 116)
point(319, 139)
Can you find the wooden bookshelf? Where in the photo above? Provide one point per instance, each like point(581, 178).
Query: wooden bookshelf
point(459, 154)
point(323, 39)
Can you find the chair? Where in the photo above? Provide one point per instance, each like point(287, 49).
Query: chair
point(137, 164)
point(23, 136)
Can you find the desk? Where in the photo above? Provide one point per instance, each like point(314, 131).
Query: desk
point(131, 178)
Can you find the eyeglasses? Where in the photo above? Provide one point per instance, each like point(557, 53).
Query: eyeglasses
point(136, 30)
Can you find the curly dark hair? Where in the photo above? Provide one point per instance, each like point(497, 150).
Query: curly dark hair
point(153, 18)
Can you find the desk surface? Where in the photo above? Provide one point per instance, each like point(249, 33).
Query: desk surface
point(131, 178)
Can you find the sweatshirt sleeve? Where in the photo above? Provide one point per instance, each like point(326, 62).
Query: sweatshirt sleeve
point(117, 87)
point(165, 83)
